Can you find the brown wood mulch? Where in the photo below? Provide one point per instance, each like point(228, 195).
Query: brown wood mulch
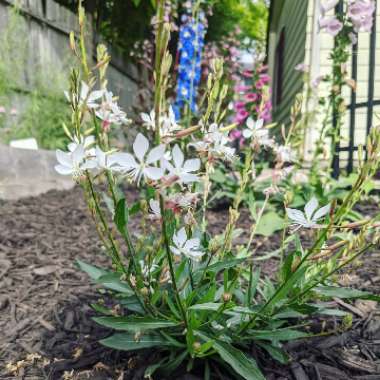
point(46, 331)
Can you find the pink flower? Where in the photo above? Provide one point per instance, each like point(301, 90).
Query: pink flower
point(242, 88)
point(361, 14)
point(265, 115)
point(265, 78)
point(328, 5)
point(316, 81)
point(236, 134)
point(332, 25)
point(239, 106)
point(302, 68)
point(260, 84)
point(2, 109)
point(251, 97)
point(247, 73)
point(14, 112)
point(241, 116)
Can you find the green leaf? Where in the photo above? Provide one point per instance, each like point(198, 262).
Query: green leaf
point(134, 324)
point(210, 306)
point(334, 291)
point(278, 334)
point(132, 304)
point(286, 287)
point(92, 271)
point(269, 224)
point(127, 341)
point(245, 367)
point(217, 267)
point(276, 353)
point(121, 215)
point(136, 2)
point(112, 281)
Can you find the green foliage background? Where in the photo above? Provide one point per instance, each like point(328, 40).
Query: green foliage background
point(124, 22)
point(39, 100)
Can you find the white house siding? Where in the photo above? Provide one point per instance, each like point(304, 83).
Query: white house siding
point(322, 43)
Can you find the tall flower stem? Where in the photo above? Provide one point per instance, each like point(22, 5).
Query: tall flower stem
point(162, 40)
point(234, 210)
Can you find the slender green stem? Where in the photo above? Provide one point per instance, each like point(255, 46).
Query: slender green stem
point(257, 222)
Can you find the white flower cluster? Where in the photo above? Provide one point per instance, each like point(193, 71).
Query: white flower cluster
point(260, 135)
point(150, 164)
point(103, 103)
point(168, 123)
point(215, 142)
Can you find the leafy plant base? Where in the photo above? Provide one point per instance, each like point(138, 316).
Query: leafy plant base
point(42, 236)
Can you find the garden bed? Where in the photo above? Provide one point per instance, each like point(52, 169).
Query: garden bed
point(44, 303)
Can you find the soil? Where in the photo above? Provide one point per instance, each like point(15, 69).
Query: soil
point(46, 330)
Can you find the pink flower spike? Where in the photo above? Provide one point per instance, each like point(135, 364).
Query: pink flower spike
point(251, 97)
point(241, 116)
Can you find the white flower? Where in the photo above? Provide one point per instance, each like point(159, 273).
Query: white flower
point(143, 166)
point(104, 160)
point(149, 119)
point(219, 143)
point(110, 111)
point(87, 143)
point(73, 163)
point(188, 247)
point(257, 131)
point(285, 153)
point(155, 209)
point(215, 142)
point(310, 216)
point(87, 96)
point(183, 169)
point(168, 123)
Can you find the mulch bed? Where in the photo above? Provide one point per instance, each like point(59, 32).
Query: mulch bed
point(45, 318)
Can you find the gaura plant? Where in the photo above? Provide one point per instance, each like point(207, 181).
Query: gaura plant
point(197, 299)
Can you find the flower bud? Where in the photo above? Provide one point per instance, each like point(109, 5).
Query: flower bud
point(144, 291)
point(197, 346)
point(226, 297)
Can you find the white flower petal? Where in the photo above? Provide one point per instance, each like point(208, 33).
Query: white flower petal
point(323, 211)
point(63, 170)
point(63, 158)
point(310, 208)
point(247, 133)
point(296, 216)
point(192, 244)
point(188, 178)
point(154, 173)
point(175, 250)
point(125, 160)
point(192, 165)
point(181, 236)
point(78, 154)
point(250, 123)
point(140, 146)
point(156, 154)
point(178, 157)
